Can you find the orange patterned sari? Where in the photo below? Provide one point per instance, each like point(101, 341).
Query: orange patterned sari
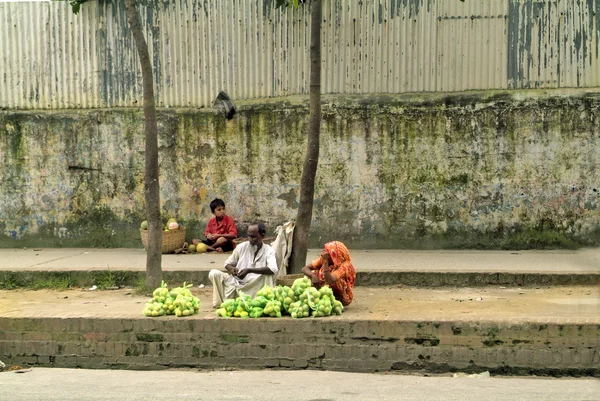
point(342, 270)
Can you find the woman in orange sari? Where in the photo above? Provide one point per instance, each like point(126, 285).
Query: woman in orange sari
point(333, 268)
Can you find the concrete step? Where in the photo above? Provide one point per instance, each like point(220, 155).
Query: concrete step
point(85, 267)
point(546, 331)
point(109, 278)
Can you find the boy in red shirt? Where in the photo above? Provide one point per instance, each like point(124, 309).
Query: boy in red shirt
point(220, 231)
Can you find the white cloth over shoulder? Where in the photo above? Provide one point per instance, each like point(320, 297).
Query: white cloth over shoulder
point(283, 245)
point(244, 256)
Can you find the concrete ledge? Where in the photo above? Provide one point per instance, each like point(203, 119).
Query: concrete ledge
point(336, 343)
point(473, 279)
point(85, 278)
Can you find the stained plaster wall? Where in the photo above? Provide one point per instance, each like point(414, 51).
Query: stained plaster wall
point(501, 169)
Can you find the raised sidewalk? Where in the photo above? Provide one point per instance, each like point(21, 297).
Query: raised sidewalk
point(437, 311)
point(546, 331)
point(375, 267)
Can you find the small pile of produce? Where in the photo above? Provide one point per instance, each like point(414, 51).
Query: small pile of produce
point(170, 225)
point(179, 302)
point(300, 301)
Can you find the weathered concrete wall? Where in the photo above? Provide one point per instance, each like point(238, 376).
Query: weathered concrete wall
point(517, 347)
point(483, 169)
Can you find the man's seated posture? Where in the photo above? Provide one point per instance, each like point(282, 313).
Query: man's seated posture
point(250, 267)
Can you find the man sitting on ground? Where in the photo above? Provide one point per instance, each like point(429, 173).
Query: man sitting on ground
point(251, 266)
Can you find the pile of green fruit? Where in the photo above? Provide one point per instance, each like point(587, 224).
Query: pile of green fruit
point(179, 302)
point(301, 300)
point(300, 285)
point(170, 225)
point(285, 295)
point(299, 309)
point(326, 304)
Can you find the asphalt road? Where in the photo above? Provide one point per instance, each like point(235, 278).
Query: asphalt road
point(68, 384)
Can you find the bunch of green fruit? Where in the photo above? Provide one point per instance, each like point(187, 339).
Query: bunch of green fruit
point(275, 301)
point(179, 302)
point(327, 293)
point(286, 296)
point(259, 302)
point(256, 311)
point(228, 308)
point(337, 307)
point(266, 292)
point(324, 306)
point(299, 309)
point(257, 306)
point(310, 296)
point(300, 285)
point(243, 305)
point(154, 309)
point(273, 308)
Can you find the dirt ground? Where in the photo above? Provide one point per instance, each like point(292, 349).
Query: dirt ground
point(574, 304)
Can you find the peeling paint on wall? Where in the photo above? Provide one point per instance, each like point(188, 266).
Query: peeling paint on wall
point(478, 169)
point(553, 44)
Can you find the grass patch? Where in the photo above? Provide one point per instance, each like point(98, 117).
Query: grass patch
point(522, 240)
point(111, 279)
point(538, 240)
point(9, 281)
point(36, 281)
point(54, 283)
point(140, 287)
point(106, 280)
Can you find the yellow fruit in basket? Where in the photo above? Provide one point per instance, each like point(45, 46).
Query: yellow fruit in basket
point(192, 248)
point(201, 248)
point(144, 225)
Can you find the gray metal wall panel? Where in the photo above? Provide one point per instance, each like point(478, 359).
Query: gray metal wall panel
point(52, 59)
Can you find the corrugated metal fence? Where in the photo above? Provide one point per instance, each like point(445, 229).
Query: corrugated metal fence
point(51, 58)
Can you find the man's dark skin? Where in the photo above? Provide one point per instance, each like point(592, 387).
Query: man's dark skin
point(255, 238)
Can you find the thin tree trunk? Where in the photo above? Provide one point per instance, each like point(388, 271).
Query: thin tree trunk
point(311, 161)
point(151, 186)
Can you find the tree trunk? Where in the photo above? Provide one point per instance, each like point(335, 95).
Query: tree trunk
point(151, 185)
point(311, 161)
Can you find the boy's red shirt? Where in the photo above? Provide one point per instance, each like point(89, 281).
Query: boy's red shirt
point(225, 226)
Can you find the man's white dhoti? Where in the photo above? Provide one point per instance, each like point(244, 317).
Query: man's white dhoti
point(225, 286)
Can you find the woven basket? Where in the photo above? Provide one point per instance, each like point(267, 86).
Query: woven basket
point(171, 240)
point(288, 279)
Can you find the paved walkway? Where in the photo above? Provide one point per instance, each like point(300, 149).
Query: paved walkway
point(574, 305)
point(56, 259)
point(101, 385)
